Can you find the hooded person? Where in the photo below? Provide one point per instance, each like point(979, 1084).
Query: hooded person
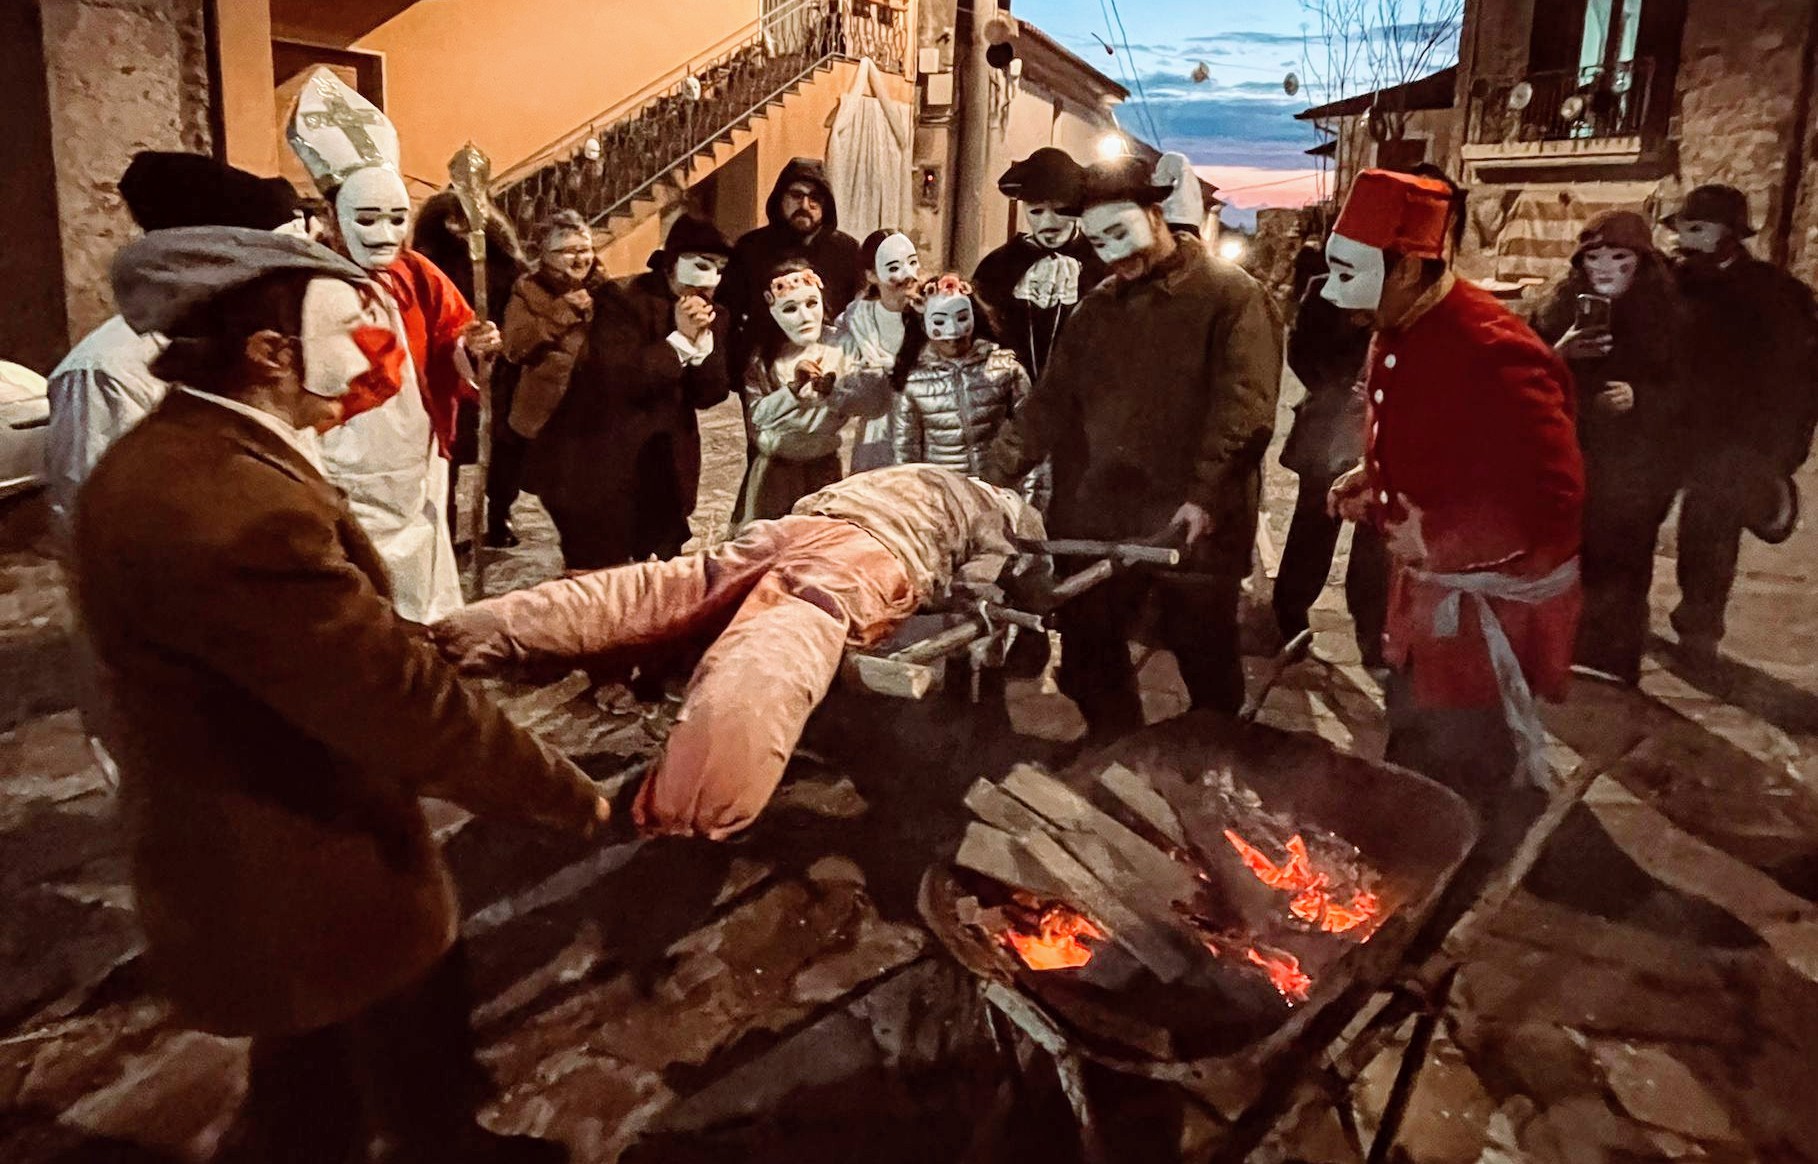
point(104, 385)
point(1472, 473)
point(1029, 287)
point(618, 463)
point(1156, 406)
point(394, 462)
point(1616, 318)
point(1751, 349)
point(279, 721)
point(801, 222)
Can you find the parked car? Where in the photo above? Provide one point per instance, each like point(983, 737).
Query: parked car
point(24, 423)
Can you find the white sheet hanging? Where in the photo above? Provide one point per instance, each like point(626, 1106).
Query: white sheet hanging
point(868, 156)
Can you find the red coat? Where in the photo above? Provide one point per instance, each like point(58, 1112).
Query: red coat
point(1471, 418)
point(435, 314)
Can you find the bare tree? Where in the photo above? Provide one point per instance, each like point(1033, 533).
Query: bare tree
point(1352, 47)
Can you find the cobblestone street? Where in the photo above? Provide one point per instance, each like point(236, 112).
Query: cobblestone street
point(1649, 993)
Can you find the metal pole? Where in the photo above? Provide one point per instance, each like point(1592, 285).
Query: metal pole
point(974, 151)
point(469, 174)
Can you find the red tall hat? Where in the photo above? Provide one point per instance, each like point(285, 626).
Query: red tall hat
point(1398, 212)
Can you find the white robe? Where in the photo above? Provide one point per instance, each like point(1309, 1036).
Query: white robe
point(396, 482)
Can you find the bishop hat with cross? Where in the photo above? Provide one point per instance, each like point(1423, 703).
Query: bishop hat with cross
point(335, 131)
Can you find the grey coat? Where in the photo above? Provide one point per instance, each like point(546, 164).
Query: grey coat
point(949, 411)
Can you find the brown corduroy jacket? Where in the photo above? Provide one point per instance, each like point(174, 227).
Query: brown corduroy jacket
point(276, 723)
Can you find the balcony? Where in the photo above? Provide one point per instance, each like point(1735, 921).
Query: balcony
point(622, 155)
point(1594, 116)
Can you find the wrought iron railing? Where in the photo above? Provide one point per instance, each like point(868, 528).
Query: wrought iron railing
point(607, 166)
point(1566, 105)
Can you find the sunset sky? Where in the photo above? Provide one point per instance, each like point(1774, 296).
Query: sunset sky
point(1238, 127)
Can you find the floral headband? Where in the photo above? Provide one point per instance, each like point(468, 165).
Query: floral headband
point(794, 281)
point(946, 286)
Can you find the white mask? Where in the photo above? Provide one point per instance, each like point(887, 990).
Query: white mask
point(372, 209)
point(1358, 274)
point(1117, 230)
point(799, 313)
point(1699, 237)
point(896, 262)
point(350, 352)
point(947, 317)
point(1048, 226)
point(1610, 270)
point(701, 272)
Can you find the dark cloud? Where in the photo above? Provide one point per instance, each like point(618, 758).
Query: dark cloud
point(1249, 39)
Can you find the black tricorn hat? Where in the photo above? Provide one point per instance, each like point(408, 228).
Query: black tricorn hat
point(1047, 175)
point(689, 235)
point(1724, 205)
point(1125, 179)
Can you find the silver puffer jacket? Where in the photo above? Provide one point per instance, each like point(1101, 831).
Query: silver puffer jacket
point(950, 410)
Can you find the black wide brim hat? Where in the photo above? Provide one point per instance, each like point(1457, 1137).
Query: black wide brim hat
point(1047, 175)
point(1724, 205)
point(1126, 179)
point(689, 235)
point(165, 190)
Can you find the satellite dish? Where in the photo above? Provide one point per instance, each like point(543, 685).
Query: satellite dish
point(590, 149)
point(1201, 73)
point(1520, 97)
point(1290, 84)
point(691, 87)
point(1572, 108)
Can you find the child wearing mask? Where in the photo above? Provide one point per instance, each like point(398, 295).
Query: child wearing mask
point(953, 389)
point(791, 433)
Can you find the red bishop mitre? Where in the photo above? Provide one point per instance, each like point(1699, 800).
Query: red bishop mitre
point(1398, 212)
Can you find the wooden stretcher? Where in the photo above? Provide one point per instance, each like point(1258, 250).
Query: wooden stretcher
point(912, 666)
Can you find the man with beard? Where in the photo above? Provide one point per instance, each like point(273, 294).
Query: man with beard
point(619, 461)
point(803, 223)
point(394, 461)
point(1472, 473)
point(1157, 405)
point(279, 721)
point(1752, 342)
point(1030, 286)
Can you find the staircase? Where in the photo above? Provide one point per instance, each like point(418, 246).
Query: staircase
point(646, 152)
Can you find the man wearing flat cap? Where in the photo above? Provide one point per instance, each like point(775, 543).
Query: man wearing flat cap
point(1472, 473)
point(102, 388)
point(1752, 343)
point(1030, 286)
point(1156, 407)
point(278, 721)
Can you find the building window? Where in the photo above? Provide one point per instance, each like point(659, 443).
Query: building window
point(1612, 28)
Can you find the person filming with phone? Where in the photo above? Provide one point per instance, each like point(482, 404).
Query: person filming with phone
point(1616, 318)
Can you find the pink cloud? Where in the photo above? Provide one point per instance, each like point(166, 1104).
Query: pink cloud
point(1254, 187)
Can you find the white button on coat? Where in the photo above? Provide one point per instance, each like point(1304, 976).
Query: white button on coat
point(1378, 396)
point(1388, 361)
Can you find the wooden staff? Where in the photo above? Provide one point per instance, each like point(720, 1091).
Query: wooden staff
point(469, 175)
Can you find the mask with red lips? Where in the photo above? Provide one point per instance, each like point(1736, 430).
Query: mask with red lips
point(350, 352)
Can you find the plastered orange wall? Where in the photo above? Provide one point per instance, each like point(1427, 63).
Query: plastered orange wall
point(516, 76)
point(249, 105)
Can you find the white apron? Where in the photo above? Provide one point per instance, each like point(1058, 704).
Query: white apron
point(397, 485)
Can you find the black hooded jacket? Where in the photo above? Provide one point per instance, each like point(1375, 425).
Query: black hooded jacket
point(834, 255)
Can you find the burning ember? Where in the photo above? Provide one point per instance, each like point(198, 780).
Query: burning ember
point(1312, 903)
point(1284, 972)
point(1053, 939)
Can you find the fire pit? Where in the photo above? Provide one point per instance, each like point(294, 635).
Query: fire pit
point(1206, 902)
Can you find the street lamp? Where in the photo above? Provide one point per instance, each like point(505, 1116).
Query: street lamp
point(1111, 147)
point(1231, 248)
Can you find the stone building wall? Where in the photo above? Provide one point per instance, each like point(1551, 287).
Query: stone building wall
point(1739, 85)
point(122, 76)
